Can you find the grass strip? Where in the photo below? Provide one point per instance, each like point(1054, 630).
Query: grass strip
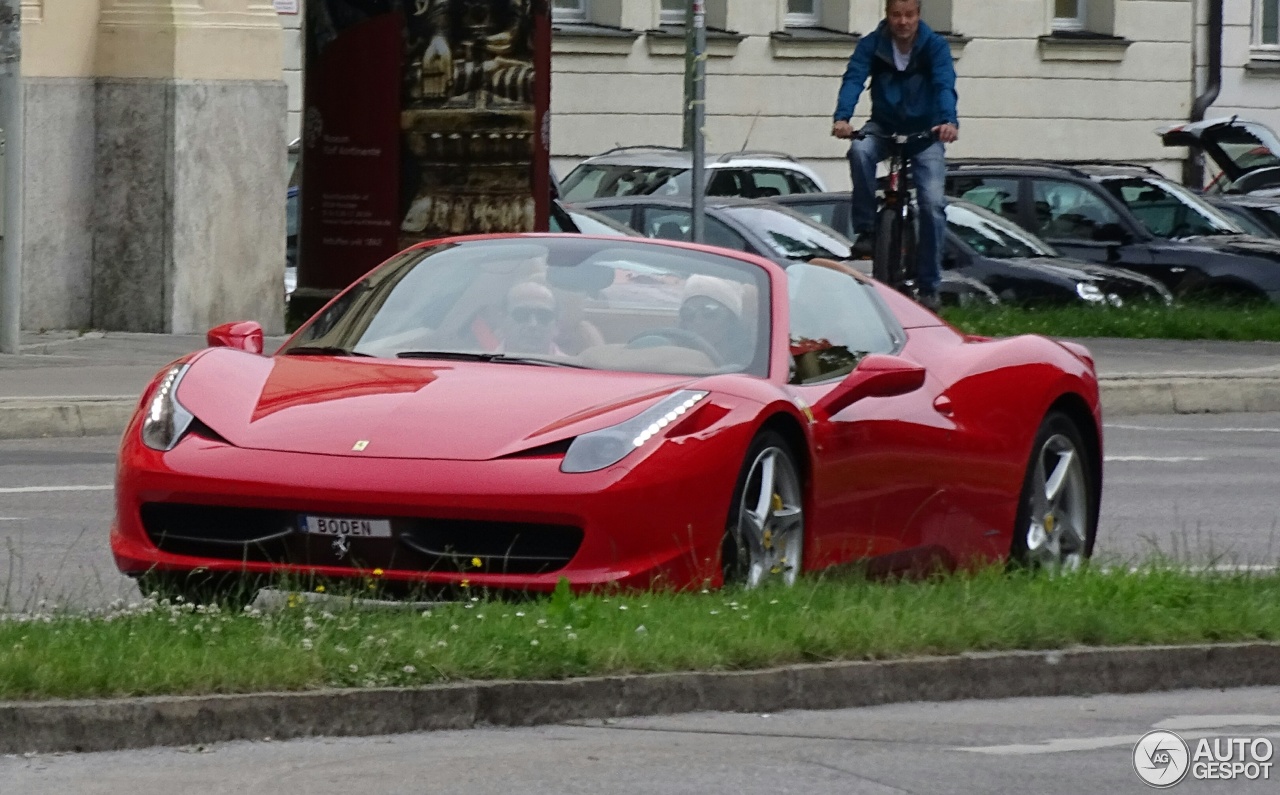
point(1190, 321)
point(154, 649)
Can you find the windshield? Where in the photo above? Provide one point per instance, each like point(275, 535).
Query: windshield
point(993, 236)
point(790, 234)
point(600, 181)
point(1169, 210)
point(597, 304)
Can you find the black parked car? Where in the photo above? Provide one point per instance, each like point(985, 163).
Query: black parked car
point(1129, 216)
point(762, 228)
point(1016, 265)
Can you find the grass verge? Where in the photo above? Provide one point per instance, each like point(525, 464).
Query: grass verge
point(154, 648)
point(1188, 321)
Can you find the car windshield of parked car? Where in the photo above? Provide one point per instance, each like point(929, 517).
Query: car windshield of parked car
point(596, 181)
point(790, 234)
point(992, 236)
point(566, 301)
point(1169, 210)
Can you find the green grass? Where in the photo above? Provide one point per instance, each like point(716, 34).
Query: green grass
point(163, 649)
point(1182, 321)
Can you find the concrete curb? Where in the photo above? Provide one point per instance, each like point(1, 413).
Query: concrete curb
point(1121, 395)
point(110, 725)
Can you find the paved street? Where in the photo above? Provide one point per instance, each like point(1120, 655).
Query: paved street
point(1044, 746)
point(1198, 488)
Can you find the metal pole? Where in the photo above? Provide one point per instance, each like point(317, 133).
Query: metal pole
point(690, 63)
point(11, 124)
point(699, 178)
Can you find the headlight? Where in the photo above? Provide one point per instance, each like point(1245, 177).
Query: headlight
point(1090, 293)
point(594, 451)
point(166, 420)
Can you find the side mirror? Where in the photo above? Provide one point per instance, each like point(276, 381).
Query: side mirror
point(244, 335)
point(1112, 233)
point(877, 375)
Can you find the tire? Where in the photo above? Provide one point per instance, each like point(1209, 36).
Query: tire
point(894, 262)
point(764, 535)
point(1057, 519)
point(233, 591)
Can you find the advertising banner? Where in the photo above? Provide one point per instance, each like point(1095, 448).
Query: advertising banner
point(422, 119)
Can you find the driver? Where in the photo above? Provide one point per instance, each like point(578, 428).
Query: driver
point(711, 307)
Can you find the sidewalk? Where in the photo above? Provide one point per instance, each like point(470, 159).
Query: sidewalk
point(71, 384)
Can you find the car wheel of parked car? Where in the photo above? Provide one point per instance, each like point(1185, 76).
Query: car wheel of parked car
point(201, 588)
point(1057, 512)
point(765, 537)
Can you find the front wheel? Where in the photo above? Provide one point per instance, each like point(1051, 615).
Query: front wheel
point(1057, 512)
point(764, 539)
point(894, 259)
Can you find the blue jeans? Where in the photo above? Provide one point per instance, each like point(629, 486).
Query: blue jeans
point(929, 171)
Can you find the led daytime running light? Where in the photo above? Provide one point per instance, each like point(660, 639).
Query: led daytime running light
point(666, 419)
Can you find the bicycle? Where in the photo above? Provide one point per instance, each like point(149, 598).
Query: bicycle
point(894, 259)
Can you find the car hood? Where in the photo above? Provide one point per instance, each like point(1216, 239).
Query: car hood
point(1238, 147)
point(466, 411)
point(1242, 245)
point(1109, 276)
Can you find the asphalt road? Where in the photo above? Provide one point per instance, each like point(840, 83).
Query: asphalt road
point(1044, 746)
point(1195, 488)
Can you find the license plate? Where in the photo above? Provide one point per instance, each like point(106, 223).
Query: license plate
point(338, 526)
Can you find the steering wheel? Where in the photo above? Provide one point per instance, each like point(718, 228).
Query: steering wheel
point(682, 337)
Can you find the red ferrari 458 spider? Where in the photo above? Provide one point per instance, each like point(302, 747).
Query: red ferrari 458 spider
point(502, 412)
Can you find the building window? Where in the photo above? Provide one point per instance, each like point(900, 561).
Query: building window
point(1266, 24)
point(569, 10)
point(803, 14)
point(1069, 14)
point(673, 12)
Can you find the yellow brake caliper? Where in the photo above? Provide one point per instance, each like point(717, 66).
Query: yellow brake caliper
point(776, 505)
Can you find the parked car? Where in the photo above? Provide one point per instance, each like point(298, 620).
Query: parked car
point(1128, 216)
point(1246, 152)
point(567, 218)
point(765, 229)
point(385, 441)
point(1256, 213)
point(1016, 265)
point(664, 171)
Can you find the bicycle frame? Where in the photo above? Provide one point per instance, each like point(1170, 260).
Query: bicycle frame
point(894, 261)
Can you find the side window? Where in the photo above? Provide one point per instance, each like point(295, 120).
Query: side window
point(801, 184)
point(620, 214)
point(834, 323)
point(1068, 210)
point(997, 194)
point(1163, 212)
point(667, 224)
point(719, 234)
point(726, 182)
point(769, 183)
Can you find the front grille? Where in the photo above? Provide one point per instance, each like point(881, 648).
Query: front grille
point(416, 543)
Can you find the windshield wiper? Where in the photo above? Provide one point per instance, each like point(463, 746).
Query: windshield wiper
point(323, 350)
point(500, 358)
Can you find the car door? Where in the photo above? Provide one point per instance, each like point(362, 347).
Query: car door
point(869, 485)
point(1081, 220)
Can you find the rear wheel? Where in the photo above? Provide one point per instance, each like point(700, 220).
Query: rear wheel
point(1057, 512)
point(764, 540)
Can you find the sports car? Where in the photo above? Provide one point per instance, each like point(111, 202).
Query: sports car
point(502, 412)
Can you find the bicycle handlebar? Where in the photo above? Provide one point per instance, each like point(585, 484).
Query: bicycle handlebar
point(897, 138)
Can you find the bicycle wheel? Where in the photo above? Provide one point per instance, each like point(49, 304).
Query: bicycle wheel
point(885, 263)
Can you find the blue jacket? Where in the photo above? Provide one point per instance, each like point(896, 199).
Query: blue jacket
point(914, 100)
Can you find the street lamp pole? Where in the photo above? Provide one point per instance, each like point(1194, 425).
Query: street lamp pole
point(11, 124)
point(698, 183)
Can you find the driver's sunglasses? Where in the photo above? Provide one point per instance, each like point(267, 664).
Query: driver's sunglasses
point(529, 315)
point(705, 308)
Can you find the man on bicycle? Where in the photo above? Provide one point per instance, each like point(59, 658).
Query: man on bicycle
point(913, 89)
